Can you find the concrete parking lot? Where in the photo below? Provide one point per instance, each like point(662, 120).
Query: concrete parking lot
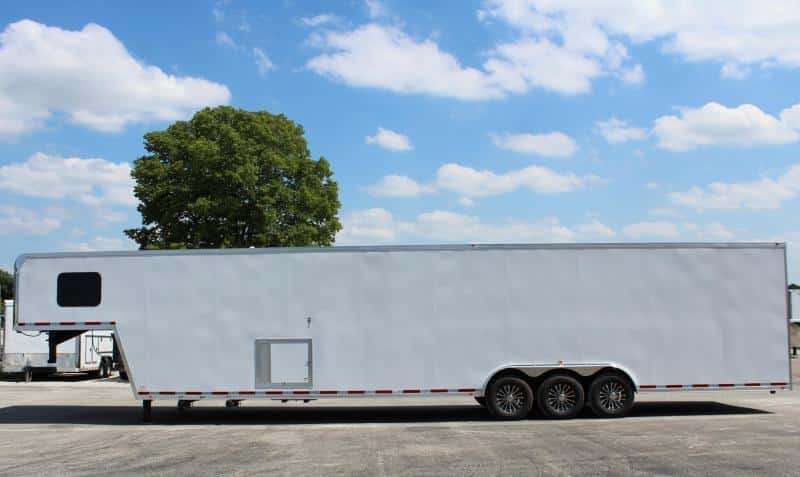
point(93, 427)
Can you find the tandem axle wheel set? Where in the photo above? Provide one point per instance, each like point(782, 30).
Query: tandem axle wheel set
point(511, 395)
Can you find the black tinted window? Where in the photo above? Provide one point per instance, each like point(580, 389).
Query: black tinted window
point(79, 289)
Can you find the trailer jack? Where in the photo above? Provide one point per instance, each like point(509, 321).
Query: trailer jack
point(147, 410)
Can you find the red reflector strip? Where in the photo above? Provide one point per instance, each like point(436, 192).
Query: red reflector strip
point(301, 392)
point(466, 390)
point(778, 384)
point(278, 393)
point(355, 391)
point(41, 323)
point(144, 393)
point(329, 392)
point(21, 323)
point(92, 323)
point(66, 323)
point(247, 392)
point(674, 386)
point(438, 390)
point(192, 393)
point(648, 386)
point(727, 385)
point(699, 385)
point(219, 393)
point(166, 393)
point(410, 391)
point(752, 384)
point(383, 391)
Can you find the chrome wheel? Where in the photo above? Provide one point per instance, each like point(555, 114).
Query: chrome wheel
point(561, 397)
point(612, 396)
point(510, 398)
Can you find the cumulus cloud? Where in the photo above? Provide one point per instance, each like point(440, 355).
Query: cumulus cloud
point(89, 76)
point(102, 244)
point(764, 193)
point(378, 225)
point(554, 144)
point(89, 181)
point(717, 124)
point(263, 63)
point(617, 131)
point(734, 32)
point(21, 220)
point(399, 186)
point(391, 140)
point(321, 19)
point(469, 182)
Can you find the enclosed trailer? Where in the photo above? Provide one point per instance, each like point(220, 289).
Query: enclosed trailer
point(560, 326)
point(28, 352)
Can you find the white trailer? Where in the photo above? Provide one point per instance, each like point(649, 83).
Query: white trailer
point(28, 352)
point(559, 326)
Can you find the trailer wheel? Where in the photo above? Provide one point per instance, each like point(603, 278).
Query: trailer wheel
point(27, 375)
point(611, 395)
point(509, 397)
point(105, 370)
point(560, 397)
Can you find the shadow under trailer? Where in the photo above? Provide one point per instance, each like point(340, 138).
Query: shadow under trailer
point(560, 327)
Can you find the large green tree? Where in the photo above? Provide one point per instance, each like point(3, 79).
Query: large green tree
point(233, 178)
point(6, 285)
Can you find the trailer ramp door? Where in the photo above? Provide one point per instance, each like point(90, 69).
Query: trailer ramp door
point(283, 363)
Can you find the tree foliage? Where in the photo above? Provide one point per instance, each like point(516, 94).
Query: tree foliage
point(233, 178)
point(6, 285)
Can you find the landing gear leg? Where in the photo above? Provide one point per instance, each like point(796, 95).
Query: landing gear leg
point(233, 403)
point(147, 410)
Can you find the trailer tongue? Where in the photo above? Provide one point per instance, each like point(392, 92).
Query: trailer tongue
point(559, 327)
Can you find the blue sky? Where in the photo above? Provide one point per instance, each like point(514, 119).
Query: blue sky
point(484, 121)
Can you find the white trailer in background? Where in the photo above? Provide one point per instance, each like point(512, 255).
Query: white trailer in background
point(559, 326)
point(27, 352)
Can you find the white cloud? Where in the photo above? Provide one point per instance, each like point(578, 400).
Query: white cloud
point(735, 71)
point(89, 181)
point(375, 8)
point(399, 186)
point(651, 185)
point(388, 139)
point(764, 193)
point(526, 64)
point(596, 230)
point(791, 116)
point(660, 230)
point(384, 57)
point(366, 226)
point(102, 244)
point(469, 182)
point(741, 32)
point(378, 225)
point(224, 39)
point(20, 220)
point(466, 202)
point(263, 63)
point(617, 131)
point(321, 19)
point(554, 144)
point(91, 77)
point(717, 124)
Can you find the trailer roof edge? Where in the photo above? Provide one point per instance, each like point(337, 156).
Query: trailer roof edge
point(396, 248)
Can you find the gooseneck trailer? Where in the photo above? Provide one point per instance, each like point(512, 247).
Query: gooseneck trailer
point(561, 327)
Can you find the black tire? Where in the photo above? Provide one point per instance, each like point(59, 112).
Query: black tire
point(27, 375)
point(481, 401)
point(105, 369)
point(611, 395)
point(509, 398)
point(560, 397)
